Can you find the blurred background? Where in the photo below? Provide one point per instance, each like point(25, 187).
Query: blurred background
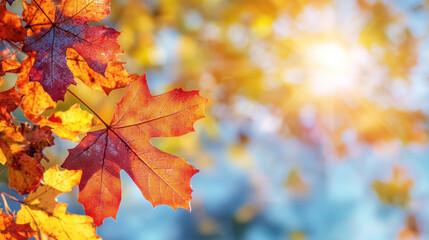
point(316, 126)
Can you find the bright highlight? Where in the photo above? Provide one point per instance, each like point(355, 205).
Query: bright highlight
point(329, 66)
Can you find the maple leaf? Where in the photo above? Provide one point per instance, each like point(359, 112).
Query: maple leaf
point(86, 10)
point(10, 230)
point(10, 25)
point(66, 125)
point(35, 100)
point(9, 101)
point(35, 18)
point(39, 15)
point(8, 61)
point(48, 216)
point(125, 144)
point(116, 75)
point(69, 124)
point(21, 148)
point(36, 139)
point(9, 65)
point(96, 44)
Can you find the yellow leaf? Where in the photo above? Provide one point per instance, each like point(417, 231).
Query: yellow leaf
point(396, 191)
point(69, 124)
point(375, 32)
point(49, 216)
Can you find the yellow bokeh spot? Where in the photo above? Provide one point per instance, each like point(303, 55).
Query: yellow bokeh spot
point(246, 213)
point(207, 226)
point(262, 26)
point(297, 236)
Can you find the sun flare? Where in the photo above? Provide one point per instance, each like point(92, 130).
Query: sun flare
point(330, 65)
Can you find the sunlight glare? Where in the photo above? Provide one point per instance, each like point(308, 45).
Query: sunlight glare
point(329, 66)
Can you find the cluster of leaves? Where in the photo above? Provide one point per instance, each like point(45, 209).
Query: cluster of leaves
point(50, 46)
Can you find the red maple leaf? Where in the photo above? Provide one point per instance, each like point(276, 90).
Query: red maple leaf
point(125, 144)
point(55, 29)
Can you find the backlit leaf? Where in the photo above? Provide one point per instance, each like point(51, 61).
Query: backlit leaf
point(35, 100)
point(96, 44)
point(45, 214)
point(69, 124)
point(115, 76)
point(125, 144)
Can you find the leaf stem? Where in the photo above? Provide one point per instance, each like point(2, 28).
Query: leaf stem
point(86, 105)
point(11, 197)
point(6, 206)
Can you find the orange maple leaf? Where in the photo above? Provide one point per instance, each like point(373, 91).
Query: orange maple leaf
point(10, 25)
point(115, 76)
point(125, 144)
point(9, 65)
point(35, 100)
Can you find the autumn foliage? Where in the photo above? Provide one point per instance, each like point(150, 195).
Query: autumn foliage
point(48, 48)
